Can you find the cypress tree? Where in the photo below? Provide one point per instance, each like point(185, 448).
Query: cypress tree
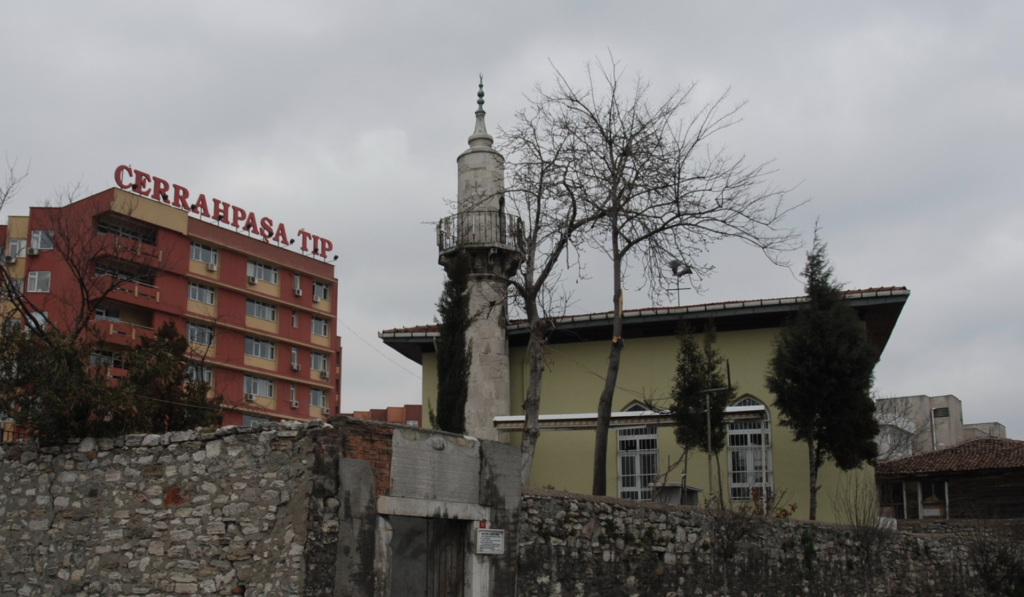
point(821, 375)
point(699, 369)
point(453, 355)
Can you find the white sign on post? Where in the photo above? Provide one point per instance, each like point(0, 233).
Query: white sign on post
point(490, 541)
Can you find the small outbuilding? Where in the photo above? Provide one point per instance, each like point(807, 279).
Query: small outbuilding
point(981, 478)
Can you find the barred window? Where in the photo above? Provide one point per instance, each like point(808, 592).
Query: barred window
point(638, 460)
point(750, 455)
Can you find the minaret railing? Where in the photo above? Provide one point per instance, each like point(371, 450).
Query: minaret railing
point(478, 229)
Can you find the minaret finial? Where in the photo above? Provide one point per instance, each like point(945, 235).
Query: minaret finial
point(480, 138)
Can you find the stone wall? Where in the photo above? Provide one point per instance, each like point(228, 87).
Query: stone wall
point(182, 513)
point(584, 546)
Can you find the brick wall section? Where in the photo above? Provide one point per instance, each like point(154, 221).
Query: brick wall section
point(370, 441)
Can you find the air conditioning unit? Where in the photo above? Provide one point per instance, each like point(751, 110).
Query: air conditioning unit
point(252, 280)
point(327, 410)
point(211, 267)
point(324, 375)
point(295, 403)
point(298, 292)
point(250, 397)
point(296, 367)
point(316, 299)
point(10, 259)
point(32, 251)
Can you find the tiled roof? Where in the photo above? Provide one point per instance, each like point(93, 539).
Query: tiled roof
point(974, 455)
point(431, 330)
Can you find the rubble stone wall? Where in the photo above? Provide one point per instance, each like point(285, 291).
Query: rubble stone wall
point(175, 514)
point(576, 545)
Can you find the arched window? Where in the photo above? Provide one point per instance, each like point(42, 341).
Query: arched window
point(750, 452)
point(638, 459)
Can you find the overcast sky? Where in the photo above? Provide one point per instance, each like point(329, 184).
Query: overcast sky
point(901, 122)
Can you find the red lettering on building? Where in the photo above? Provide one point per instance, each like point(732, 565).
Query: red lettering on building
point(181, 197)
point(200, 207)
point(119, 176)
point(138, 181)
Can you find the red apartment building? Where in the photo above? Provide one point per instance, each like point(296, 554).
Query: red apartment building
point(259, 310)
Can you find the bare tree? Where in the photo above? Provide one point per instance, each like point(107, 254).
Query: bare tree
point(539, 161)
point(653, 190)
point(898, 431)
point(101, 251)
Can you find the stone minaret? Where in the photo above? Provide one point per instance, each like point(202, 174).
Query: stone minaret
point(483, 231)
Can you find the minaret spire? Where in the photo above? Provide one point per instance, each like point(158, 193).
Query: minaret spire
point(480, 138)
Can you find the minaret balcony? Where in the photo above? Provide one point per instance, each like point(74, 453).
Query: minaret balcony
point(478, 229)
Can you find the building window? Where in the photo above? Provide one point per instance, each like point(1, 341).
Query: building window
point(39, 281)
point(107, 314)
point(128, 228)
point(320, 326)
point(638, 460)
point(42, 240)
point(295, 319)
point(198, 292)
point(291, 392)
point(297, 282)
point(318, 362)
point(750, 455)
point(196, 373)
point(40, 320)
point(295, 355)
point(251, 421)
point(317, 397)
point(321, 291)
point(15, 287)
point(259, 386)
point(199, 334)
point(263, 272)
point(103, 269)
point(260, 310)
point(204, 254)
point(16, 247)
point(263, 349)
point(106, 358)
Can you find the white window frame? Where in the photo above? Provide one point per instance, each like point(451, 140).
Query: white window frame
point(17, 247)
point(317, 397)
point(195, 372)
point(261, 310)
point(263, 349)
point(295, 318)
point(200, 293)
point(637, 458)
point(749, 445)
point(317, 361)
point(319, 322)
point(42, 240)
point(107, 313)
point(41, 319)
point(259, 386)
point(203, 253)
point(262, 271)
point(200, 334)
point(39, 281)
point(297, 282)
point(321, 290)
point(295, 355)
